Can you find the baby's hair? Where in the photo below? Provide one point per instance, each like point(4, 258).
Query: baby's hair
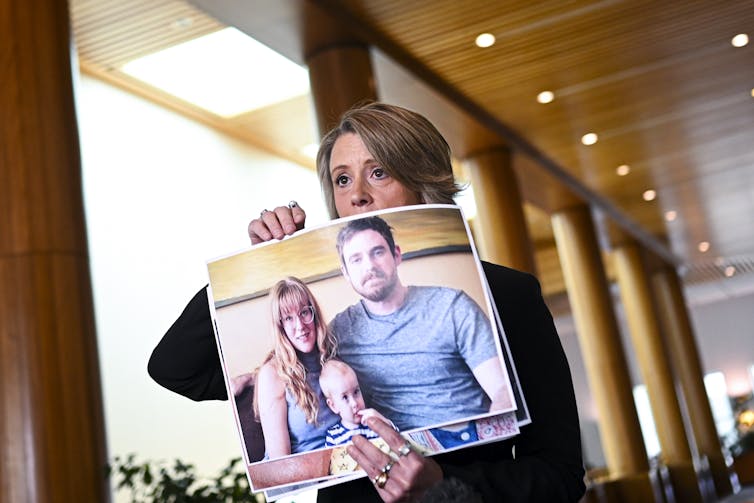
point(332, 369)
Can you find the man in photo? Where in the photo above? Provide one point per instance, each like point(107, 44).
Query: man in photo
point(425, 355)
point(341, 388)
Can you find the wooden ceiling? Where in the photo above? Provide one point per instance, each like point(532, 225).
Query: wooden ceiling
point(658, 82)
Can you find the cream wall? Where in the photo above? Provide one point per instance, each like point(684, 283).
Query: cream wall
point(163, 195)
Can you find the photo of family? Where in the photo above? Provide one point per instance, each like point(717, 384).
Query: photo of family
point(379, 316)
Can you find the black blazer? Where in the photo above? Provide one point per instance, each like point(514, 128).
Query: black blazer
point(547, 467)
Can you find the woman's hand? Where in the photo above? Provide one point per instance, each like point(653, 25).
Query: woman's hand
point(408, 474)
point(278, 223)
point(241, 382)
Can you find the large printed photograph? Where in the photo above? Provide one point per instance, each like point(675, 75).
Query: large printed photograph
point(384, 315)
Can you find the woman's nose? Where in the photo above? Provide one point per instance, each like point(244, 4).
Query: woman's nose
point(360, 195)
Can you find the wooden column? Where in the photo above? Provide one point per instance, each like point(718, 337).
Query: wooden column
point(340, 67)
point(654, 365)
point(52, 445)
point(502, 226)
point(601, 348)
point(684, 357)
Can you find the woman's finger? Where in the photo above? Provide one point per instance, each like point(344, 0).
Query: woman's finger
point(411, 474)
point(393, 439)
point(299, 215)
point(367, 455)
point(276, 224)
point(258, 231)
point(285, 219)
point(378, 467)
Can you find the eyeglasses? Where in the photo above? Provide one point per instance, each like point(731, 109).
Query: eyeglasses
point(306, 315)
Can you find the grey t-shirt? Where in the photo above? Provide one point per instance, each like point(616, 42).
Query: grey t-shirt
point(415, 365)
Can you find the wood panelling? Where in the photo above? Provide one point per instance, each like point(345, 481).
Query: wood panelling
point(659, 82)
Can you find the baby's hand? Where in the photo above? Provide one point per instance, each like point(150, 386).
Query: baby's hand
point(367, 413)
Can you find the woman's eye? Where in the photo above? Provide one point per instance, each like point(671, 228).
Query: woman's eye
point(379, 173)
point(341, 180)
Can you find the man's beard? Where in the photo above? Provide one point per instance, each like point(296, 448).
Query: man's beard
point(377, 294)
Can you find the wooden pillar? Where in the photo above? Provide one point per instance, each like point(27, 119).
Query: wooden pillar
point(654, 365)
point(340, 67)
point(502, 226)
point(684, 357)
point(601, 348)
point(52, 445)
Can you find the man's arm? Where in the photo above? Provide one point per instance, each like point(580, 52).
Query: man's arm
point(476, 343)
point(489, 374)
point(186, 360)
point(288, 470)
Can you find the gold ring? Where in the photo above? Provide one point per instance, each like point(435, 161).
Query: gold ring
point(381, 479)
point(405, 449)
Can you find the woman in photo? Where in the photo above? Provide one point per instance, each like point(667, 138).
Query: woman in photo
point(290, 404)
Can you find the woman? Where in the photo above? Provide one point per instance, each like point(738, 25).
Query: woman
point(382, 156)
point(288, 398)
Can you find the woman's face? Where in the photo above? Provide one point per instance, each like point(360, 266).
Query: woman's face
point(360, 184)
point(300, 327)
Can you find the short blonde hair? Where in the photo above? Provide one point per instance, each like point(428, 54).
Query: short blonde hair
point(405, 144)
point(333, 369)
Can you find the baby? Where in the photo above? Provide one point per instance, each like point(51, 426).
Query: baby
point(341, 388)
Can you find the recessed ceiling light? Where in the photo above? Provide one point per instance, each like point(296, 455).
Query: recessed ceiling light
point(670, 215)
point(545, 97)
point(485, 40)
point(589, 139)
point(225, 72)
point(703, 246)
point(740, 40)
point(730, 271)
point(182, 23)
point(623, 170)
point(310, 150)
point(649, 195)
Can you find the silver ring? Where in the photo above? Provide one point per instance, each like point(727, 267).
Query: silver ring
point(293, 204)
point(405, 449)
point(381, 479)
point(261, 214)
point(388, 466)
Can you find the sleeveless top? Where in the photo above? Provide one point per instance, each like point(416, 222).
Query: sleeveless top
point(306, 436)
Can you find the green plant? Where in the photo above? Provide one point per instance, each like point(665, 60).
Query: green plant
point(154, 482)
point(743, 434)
